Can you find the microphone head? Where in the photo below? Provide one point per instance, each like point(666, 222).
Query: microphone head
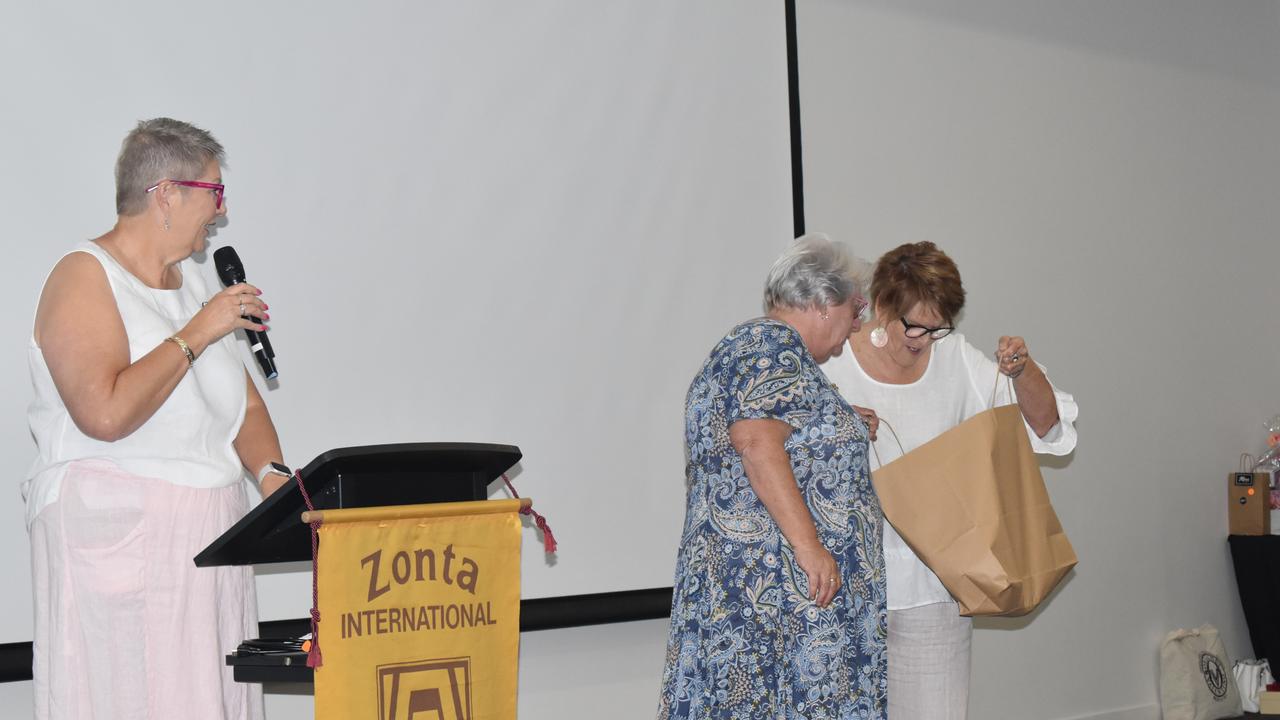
point(227, 262)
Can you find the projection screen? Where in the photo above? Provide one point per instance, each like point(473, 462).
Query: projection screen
point(521, 223)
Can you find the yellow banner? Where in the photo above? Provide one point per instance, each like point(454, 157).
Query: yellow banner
point(419, 617)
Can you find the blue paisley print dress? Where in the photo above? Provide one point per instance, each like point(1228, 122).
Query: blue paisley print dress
point(746, 642)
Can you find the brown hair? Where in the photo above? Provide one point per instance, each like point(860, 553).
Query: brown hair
point(917, 273)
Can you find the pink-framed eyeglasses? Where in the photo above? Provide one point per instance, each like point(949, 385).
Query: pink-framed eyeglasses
point(218, 189)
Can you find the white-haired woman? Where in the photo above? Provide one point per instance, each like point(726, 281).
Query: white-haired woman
point(145, 421)
point(779, 599)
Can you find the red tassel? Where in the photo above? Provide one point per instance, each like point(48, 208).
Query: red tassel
point(314, 658)
point(548, 540)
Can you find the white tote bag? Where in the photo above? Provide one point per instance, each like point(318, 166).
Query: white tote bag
point(1196, 680)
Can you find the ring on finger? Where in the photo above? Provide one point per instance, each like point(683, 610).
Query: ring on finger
point(241, 309)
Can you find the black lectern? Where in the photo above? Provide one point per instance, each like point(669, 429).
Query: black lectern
point(368, 476)
point(354, 477)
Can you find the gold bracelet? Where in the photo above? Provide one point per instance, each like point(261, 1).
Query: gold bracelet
point(191, 357)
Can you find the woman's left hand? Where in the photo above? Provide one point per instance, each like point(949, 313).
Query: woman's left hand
point(1011, 353)
point(1034, 393)
point(870, 418)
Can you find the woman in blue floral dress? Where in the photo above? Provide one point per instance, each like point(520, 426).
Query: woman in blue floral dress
point(779, 600)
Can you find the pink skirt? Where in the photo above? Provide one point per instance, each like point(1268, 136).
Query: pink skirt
point(126, 626)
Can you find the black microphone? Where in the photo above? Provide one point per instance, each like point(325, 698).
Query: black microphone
point(231, 272)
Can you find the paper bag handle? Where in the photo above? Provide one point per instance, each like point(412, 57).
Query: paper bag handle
point(996, 386)
point(895, 439)
point(1246, 462)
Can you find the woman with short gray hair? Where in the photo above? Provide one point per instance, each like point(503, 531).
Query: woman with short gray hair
point(813, 272)
point(778, 608)
point(145, 421)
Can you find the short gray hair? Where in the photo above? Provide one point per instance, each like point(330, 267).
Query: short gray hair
point(160, 149)
point(813, 272)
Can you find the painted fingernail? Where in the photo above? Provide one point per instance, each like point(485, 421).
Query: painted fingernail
point(266, 306)
point(266, 316)
point(263, 328)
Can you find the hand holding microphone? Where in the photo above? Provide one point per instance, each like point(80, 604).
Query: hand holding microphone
point(222, 315)
point(250, 308)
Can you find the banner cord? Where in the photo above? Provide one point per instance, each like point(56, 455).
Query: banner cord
point(314, 658)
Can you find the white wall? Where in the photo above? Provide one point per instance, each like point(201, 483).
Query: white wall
point(1106, 175)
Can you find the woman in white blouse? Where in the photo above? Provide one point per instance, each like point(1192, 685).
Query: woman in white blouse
point(145, 421)
point(922, 378)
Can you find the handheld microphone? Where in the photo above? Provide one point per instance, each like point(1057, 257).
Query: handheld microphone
point(231, 272)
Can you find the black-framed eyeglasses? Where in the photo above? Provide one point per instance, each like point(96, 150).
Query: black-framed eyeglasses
point(918, 331)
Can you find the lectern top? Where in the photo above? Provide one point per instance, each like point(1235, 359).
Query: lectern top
point(367, 476)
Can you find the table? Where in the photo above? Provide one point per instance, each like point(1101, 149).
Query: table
point(1257, 563)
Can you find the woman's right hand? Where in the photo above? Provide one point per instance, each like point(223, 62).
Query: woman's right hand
point(762, 444)
point(823, 572)
point(224, 313)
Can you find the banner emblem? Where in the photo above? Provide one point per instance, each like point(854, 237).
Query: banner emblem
point(440, 688)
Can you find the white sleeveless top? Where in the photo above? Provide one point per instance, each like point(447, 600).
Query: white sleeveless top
point(188, 439)
point(956, 385)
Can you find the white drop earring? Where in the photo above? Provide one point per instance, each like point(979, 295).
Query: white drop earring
point(879, 337)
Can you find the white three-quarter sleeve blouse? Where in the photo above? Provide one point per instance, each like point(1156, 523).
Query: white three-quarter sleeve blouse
point(956, 385)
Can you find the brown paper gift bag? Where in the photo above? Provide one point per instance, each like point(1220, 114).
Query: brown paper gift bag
point(972, 505)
